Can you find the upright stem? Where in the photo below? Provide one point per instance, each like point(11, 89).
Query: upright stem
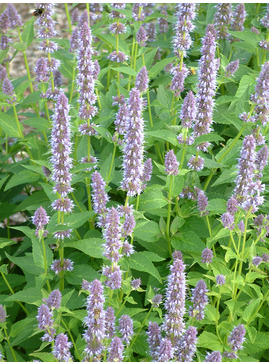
point(11, 348)
point(169, 215)
point(61, 255)
point(45, 263)
point(68, 17)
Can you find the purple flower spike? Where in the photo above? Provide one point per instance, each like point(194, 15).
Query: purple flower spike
point(40, 218)
point(100, 197)
point(239, 17)
point(114, 276)
point(187, 345)
point(154, 339)
point(41, 70)
point(257, 261)
point(261, 95)
point(147, 172)
point(112, 236)
point(138, 12)
point(262, 159)
point(61, 150)
point(86, 76)
point(57, 268)
point(220, 280)
point(95, 321)
point(47, 28)
point(232, 204)
point(126, 328)
point(141, 36)
point(182, 39)
point(163, 23)
point(157, 300)
point(202, 202)
point(237, 337)
point(199, 299)
point(207, 256)
point(175, 302)
point(165, 350)
point(128, 224)
point(228, 220)
point(142, 80)
point(151, 31)
point(115, 350)
point(54, 300)
point(188, 111)
point(75, 16)
point(232, 68)
point(7, 87)
point(61, 348)
point(222, 19)
point(136, 283)
point(117, 28)
point(110, 322)
point(215, 356)
point(171, 164)
point(118, 57)
point(206, 83)
point(4, 43)
point(265, 258)
point(14, 17)
point(133, 150)
point(45, 323)
point(4, 21)
point(121, 119)
point(3, 315)
point(265, 19)
point(196, 163)
point(179, 75)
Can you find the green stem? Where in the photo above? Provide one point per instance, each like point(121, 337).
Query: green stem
point(112, 161)
point(12, 292)
point(137, 202)
point(123, 303)
point(61, 255)
point(45, 263)
point(258, 309)
point(26, 63)
point(17, 121)
point(88, 187)
point(11, 348)
point(72, 84)
point(72, 339)
point(88, 11)
point(68, 17)
point(169, 215)
point(142, 325)
point(148, 97)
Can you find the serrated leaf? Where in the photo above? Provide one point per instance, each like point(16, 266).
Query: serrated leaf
point(26, 263)
point(159, 66)
point(9, 126)
point(261, 343)
point(22, 177)
point(150, 195)
point(147, 231)
point(250, 310)
point(162, 135)
point(75, 220)
point(141, 262)
point(80, 272)
point(91, 247)
point(44, 357)
point(37, 123)
point(21, 330)
point(19, 46)
point(31, 99)
point(27, 295)
point(209, 341)
point(223, 233)
point(126, 70)
point(28, 32)
point(217, 205)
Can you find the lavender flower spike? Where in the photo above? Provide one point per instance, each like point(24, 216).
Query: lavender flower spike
point(175, 302)
point(86, 77)
point(99, 196)
point(116, 350)
point(40, 218)
point(133, 150)
point(61, 150)
point(14, 17)
point(54, 300)
point(220, 280)
point(165, 351)
point(202, 202)
point(95, 321)
point(141, 36)
point(47, 28)
point(187, 345)
point(188, 111)
point(237, 337)
point(171, 163)
point(199, 299)
point(222, 19)
point(232, 68)
point(126, 328)
point(154, 339)
point(110, 322)
point(261, 96)
point(112, 236)
point(61, 348)
point(207, 256)
point(142, 80)
point(45, 323)
point(182, 40)
point(239, 18)
point(207, 83)
point(3, 314)
point(215, 356)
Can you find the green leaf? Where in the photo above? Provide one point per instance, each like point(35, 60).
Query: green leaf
point(31, 99)
point(38, 123)
point(152, 194)
point(126, 70)
point(22, 177)
point(91, 247)
point(260, 345)
point(19, 46)
point(223, 233)
point(28, 32)
point(209, 341)
point(9, 125)
point(141, 262)
point(27, 295)
point(217, 205)
point(80, 272)
point(188, 241)
point(159, 66)
point(245, 83)
point(250, 310)
point(66, 68)
point(22, 330)
point(164, 135)
point(75, 220)
point(178, 183)
point(3, 54)
point(44, 357)
point(5, 242)
point(147, 231)
point(26, 263)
